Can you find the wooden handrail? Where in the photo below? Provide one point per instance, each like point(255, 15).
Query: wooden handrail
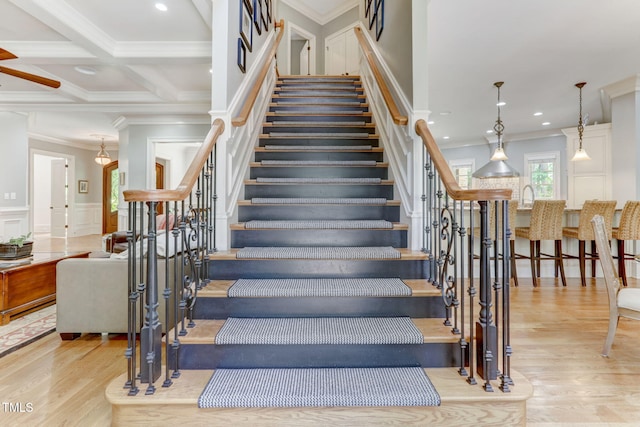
point(243, 116)
point(190, 178)
point(398, 118)
point(446, 176)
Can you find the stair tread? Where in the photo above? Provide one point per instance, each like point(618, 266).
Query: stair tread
point(301, 124)
point(366, 150)
point(318, 164)
point(381, 182)
point(248, 203)
point(219, 288)
point(405, 254)
point(206, 330)
point(241, 226)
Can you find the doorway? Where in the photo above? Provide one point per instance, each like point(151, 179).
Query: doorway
point(111, 195)
point(50, 195)
point(301, 51)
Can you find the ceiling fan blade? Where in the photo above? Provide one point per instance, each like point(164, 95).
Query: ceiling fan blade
point(31, 77)
point(5, 54)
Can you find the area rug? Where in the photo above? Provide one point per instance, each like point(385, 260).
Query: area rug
point(27, 329)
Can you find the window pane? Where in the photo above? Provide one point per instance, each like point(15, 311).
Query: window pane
point(115, 182)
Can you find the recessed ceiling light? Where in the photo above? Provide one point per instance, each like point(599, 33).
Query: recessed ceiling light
point(162, 7)
point(445, 113)
point(538, 113)
point(546, 123)
point(430, 122)
point(90, 71)
point(445, 137)
point(501, 104)
point(489, 130)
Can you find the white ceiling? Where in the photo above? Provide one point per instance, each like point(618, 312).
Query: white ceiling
point(149, 62)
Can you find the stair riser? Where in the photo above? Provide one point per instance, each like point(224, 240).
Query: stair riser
point(211, 356)
point(294, 268)
point(319, 129)
point(309, 171)
point(415, 307)
point(318, 190)
point(312, 93)
point(320, 99)
point(306, 141)
point(315, 155)
point(318, 118)
point(346, 238)
point(311, 212)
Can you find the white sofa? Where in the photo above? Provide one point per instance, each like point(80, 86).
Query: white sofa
point(92, 295)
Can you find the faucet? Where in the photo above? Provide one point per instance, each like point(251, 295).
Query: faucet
point(533, 196)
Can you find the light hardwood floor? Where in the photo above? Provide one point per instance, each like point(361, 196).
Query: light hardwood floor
point(557, 336)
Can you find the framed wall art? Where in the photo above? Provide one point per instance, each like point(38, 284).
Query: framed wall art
point(246, 23)
point(83, 186)
point(367, 7)
point(242, 55)
point(257, 12)
point(269, 5)
point(379, 18)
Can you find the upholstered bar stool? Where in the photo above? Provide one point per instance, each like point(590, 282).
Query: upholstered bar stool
point(628, 229)
point(584, 232)
point(545, 224)
point(513, 211)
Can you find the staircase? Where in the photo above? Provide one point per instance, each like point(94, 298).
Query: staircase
point(320, 280)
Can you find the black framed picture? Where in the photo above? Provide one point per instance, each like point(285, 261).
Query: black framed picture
point(372, 14)
point(242, 55)
point(379, 18)
point(269, 4)
point(367, 7)
point(263, 18)
point(257, 11)
point(246, 23)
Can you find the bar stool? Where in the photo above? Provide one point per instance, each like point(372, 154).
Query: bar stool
point(545, 224)
point(584, 232)
point(511, 216)
point(628, 229)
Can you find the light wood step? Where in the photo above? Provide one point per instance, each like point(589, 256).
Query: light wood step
point(462, 405)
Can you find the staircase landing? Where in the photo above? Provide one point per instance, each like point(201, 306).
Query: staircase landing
point(462, 404)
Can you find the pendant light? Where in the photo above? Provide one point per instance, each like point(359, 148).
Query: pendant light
point(580, 154)
point(103, 157)
point(499, 154)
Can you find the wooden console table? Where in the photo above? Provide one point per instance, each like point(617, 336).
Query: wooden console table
point(30, 285)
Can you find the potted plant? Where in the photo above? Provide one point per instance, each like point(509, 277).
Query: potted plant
point(16, 247)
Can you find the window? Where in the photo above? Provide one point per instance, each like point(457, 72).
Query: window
point(543, 172)
point(462, 170)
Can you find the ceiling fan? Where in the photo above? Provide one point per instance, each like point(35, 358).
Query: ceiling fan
point(5, 54)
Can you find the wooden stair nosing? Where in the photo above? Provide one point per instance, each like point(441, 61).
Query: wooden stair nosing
point(205, 331)
point(372, 150)
point(241, 226)
point(405, 255)
point(220, 288)
point(381, 165)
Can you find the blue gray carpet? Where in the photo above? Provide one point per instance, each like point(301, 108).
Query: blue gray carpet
point(256, 388)
point(287, 288)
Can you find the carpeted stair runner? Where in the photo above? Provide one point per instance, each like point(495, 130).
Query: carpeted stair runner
point(325, 387)
point(319, 147)
point(320, 135)
point(291, 288)
point(317, 201)
point(318, 163)
point(319, 330)
point(320, 180)
point(319, 224)
point(319, 252)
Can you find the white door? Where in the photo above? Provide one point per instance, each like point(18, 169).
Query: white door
point(343, 55)
point(304, 59)
point(58, 198)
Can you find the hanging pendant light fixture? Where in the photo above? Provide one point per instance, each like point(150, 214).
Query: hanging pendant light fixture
point(103, 157)
point(499, 153)
point(580, 154)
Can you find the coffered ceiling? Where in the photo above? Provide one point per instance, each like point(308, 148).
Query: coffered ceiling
point(144, 61)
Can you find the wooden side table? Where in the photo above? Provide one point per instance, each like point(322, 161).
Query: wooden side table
point(31, 285)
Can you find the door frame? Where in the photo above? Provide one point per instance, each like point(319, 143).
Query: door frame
point(291, 27)
point(71, 179)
